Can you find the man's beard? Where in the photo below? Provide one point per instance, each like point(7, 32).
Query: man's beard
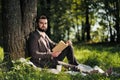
point(42, 30)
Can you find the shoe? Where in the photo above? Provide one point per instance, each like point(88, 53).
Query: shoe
point(109, 71)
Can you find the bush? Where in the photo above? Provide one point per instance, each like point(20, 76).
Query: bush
point(1, 54)
point(23, 69)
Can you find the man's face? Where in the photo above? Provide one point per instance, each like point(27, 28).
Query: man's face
point(43, 23)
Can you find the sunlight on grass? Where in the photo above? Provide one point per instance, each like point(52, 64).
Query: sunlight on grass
point(1, 54)
point(103, 56)
point(82, 54)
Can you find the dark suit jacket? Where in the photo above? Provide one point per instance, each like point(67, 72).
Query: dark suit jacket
point(39, 52)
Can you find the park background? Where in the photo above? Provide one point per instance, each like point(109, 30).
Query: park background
point(92, 25)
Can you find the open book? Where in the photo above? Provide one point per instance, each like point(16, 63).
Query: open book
point(60, 47)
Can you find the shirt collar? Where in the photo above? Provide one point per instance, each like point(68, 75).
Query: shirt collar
point(41, 33)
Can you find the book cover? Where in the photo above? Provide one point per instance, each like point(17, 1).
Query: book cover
point(60, 47)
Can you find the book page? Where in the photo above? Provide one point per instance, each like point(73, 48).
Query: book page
point(60, 47)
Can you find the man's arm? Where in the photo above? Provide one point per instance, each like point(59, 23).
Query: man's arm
point(34, 48)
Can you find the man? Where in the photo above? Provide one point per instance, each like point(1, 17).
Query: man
point(40, 47)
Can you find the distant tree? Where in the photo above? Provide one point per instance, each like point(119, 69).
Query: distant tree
point(87, 11)
point(83, 31)
point(111, 18)
point(18, 18)
point(1, 32)
point(117, 18)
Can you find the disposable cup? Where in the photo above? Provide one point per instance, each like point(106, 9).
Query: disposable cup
point(59, 67)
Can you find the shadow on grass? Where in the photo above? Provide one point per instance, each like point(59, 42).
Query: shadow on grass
point(105, 46)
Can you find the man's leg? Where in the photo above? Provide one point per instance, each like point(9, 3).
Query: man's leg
point(68, 52)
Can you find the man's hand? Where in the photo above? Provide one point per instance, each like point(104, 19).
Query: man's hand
point(55, 54)
point(69, 42)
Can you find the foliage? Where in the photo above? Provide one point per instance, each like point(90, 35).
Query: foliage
point(66, 17)
point(1, 54)
point(24, 70)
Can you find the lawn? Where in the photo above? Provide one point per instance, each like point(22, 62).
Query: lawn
point(102, 55)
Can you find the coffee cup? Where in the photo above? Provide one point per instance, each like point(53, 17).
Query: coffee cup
point(59, 67)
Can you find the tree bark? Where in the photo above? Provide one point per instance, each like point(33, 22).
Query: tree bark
point(87, 24)
point(12, 28)
point(117, 16)
point(29, 12)
point(17, 19)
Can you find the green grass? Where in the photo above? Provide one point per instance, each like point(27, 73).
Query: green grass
point(103, 55)
point(1, 54)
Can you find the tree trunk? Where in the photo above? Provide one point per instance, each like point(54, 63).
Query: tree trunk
point(87, 24)
point(29, 11)
point(12, 28)
point(17, 24)
point(83, 31)
point(117, 25)
point(111, 34)
point(1, 30)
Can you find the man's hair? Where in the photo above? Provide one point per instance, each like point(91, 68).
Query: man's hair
point(40, 17)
